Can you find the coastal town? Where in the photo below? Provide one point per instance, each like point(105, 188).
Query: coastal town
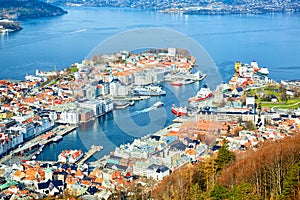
point(245, 112)
point(207, 7)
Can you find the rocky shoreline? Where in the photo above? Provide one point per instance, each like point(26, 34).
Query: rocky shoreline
point(11, 10)
point(9, 26)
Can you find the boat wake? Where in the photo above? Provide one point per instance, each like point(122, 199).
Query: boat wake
point(142, 111)
point(77, 31)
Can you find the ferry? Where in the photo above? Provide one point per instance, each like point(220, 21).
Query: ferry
point(150, 90)
point(203, 94)
point(158, 104)
point(263, 71)
point(179, 111)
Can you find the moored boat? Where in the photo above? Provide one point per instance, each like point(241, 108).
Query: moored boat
point(150, 90)
point(57, 138)
point(176, 83)
point(179, 111)
point(263, 71)
point(203, 94)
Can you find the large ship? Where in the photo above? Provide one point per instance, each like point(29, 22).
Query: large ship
point(179, 111)
point(203, 94)
point(263, 71)
point(150, 90)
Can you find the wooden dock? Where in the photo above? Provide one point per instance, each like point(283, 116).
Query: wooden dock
point(87, 155)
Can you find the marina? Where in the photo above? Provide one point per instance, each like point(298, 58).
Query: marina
point(30, 149)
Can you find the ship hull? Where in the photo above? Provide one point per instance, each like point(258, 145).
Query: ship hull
point(178, 112)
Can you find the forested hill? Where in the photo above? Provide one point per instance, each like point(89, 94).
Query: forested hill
point(22, 9)
point(270, 172)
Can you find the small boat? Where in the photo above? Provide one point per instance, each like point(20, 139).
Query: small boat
point(176, 83)
point(57, 138)
point(132, 103)
point(158, 104)
point(179, 111)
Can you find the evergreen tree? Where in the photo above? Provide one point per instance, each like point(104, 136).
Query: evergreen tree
point(219, 192)
point(224, 156)
point(291, 181)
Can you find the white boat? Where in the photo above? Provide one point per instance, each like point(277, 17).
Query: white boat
point(179, 111)
point(203, 94)
point(150, 90)
point(263, 71)
point(57, 138)
point(158, 104)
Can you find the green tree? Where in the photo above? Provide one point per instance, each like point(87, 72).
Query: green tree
point(243, 191)
point(219, 192)
point(195, 192)
point(224, 156)
point(291, 181)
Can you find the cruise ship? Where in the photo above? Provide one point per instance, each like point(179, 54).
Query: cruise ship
point(150, 90)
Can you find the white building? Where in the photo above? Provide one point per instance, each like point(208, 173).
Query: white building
point(157, 172)
point(69, 117)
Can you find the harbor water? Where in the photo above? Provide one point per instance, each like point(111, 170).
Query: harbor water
point(55, 43)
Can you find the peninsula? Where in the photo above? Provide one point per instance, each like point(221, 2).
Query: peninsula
point(23, 9)
point(228, 139)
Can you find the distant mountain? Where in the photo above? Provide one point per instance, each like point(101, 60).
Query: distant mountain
point(22, 9)
point(206, 7)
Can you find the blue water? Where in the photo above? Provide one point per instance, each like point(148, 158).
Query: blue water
point(54, 43)
point(123, 126)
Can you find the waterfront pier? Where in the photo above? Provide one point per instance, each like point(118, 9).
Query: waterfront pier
point(33, 146)
point(87, 155)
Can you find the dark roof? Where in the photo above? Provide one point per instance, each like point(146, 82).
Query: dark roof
point(178, 146)
point(115, 80)
point(214, 148)
point(158, 168)
point(65, 166)
point(92, 190)
point(156, 137)
point(120, 167)
point(239, 89)
point(50, 184)
point(114, 157)
point(162, 168)
point(154, 166)
point(189, 140)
